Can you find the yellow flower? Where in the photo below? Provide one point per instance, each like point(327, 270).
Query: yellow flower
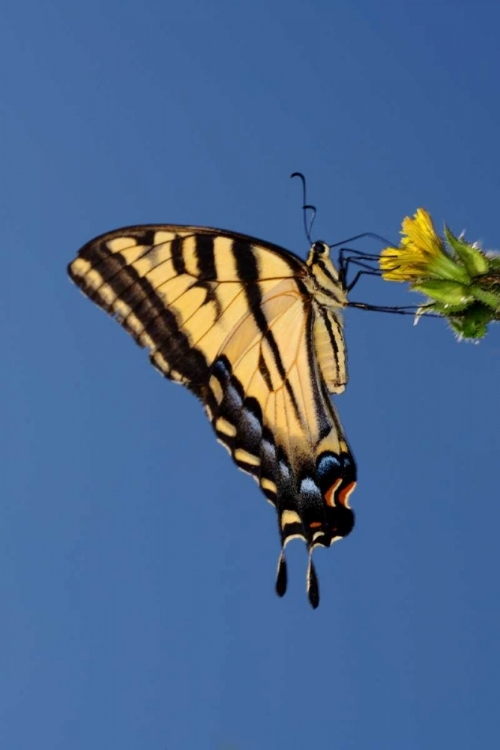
point(460, 281)
point(421, 255)
point(420, 244)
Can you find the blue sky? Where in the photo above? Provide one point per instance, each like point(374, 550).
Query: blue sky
point(136, 563)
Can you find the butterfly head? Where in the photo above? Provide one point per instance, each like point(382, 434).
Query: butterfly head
point(320, 249)
point(319, 254)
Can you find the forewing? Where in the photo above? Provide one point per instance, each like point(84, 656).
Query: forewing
point(179, 290)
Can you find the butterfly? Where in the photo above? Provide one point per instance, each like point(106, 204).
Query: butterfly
point(256, 334)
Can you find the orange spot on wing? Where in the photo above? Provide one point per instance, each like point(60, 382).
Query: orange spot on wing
point(345, 493)
point(315, 524)
point(330, 493)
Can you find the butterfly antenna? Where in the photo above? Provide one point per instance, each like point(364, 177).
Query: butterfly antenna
point(308, 225)
point(312, 585)
point(281, 575)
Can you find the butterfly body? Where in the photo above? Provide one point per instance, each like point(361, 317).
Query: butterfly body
point(256, 334)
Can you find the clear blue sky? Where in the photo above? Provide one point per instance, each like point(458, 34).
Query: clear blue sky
point(136, 563)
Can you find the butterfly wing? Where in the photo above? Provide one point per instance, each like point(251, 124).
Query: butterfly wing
point(234, 319)
point(178, 290)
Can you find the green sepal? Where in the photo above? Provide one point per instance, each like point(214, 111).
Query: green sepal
point(494, 262)
point(473, 324)
point(474, 260)
point(488, 298)
point(450, 293)
point(440, 309)
point(443, 267)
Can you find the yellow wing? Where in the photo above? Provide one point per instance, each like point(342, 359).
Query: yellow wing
point(255, 333)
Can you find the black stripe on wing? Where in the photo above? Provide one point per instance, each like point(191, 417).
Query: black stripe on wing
point(157, 321)
point(248, 269)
